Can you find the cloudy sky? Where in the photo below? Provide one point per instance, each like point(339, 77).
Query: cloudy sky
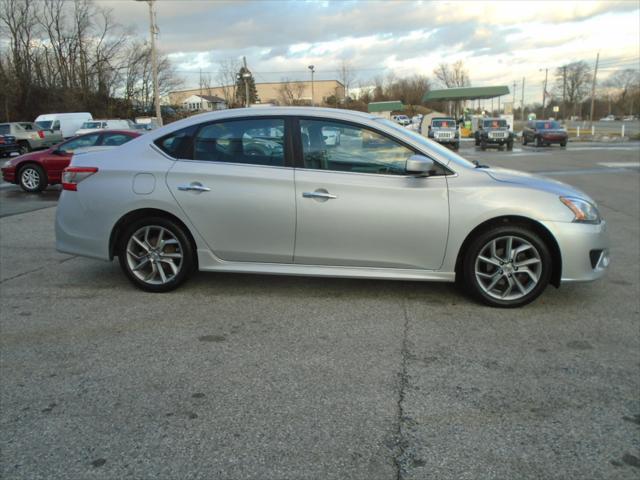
point(499, 42)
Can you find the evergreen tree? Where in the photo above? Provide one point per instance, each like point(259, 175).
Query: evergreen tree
point(241, 89)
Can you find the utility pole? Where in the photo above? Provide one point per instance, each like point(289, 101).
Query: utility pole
point(312, 68)
point(564, 89)
point(544, 92)
point(514, 99)
point(522, 101)
point(593, 89)
point(153, 31)
point(246, 82)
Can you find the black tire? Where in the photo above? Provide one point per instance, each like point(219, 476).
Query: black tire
point(184, 247)
point(510, 145)
point(477, 141)
point(538, 142)
point(563, 144)
point(478, 244)
point(32, 178)
point(24, 147)
point(483, 145)
point(456, 147)
point(524, 139)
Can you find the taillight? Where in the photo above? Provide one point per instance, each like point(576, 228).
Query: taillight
point(72, 176)
point(40, 133)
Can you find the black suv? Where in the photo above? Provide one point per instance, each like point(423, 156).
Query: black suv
point(493, 132)
point(544, 132)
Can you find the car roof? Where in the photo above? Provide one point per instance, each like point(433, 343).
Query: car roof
point(334, 113)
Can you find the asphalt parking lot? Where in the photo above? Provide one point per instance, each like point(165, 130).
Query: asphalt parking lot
point(271, 377)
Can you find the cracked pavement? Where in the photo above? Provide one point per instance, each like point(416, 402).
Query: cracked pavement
point(271, 377)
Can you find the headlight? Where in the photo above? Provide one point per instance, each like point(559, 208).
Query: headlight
point(6, 164)
point(585, 212)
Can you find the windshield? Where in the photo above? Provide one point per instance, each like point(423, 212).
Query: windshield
point(496, 123)
point(45, 124)
point(548, 125)
point(92, 125)
point(444, 152)
point(445, 123)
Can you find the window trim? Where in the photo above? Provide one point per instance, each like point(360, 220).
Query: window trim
point(299, 154)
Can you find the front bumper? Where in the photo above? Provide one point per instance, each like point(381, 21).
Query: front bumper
point(584, 249)
point(9, 174)
point(4, 148)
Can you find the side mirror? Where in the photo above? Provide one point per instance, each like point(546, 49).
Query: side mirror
point(419, 165)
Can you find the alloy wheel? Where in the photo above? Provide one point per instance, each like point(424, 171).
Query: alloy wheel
point(508, 268)
point(30, 178)
point(154, 255)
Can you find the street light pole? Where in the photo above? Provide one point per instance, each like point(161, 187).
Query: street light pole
point(312, 68)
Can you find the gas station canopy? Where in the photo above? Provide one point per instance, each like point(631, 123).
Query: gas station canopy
point(465, 93)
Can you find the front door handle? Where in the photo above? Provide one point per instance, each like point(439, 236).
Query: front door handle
point(195, 186)
point(321, 194)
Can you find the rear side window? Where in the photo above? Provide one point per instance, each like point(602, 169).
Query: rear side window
point(176, 144)
point(5, 129)
point(115, 139)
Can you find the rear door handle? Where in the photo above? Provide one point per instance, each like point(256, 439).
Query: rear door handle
point(195, 186)
point(319, 194)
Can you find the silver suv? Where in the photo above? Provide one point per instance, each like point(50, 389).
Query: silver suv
point(30, 136)
point(444, 130)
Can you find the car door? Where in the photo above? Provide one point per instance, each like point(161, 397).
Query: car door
point(57, 159)
point(357, 206)
point(235, 183)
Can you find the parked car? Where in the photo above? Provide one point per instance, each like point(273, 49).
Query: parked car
point(65, 123)
point(95, 125)
point(8, 145)
point(608, 118)
point(30, 136)
point(493, 132)
point(386, 203)
point(34, 171)
point(544, 132)
point(445, 131)
point(402, 119)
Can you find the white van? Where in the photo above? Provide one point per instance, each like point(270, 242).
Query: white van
point(67, 123)
point(93, 125)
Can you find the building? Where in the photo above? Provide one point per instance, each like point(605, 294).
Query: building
point(384, 109)
point(202, 103)
point(278, 93)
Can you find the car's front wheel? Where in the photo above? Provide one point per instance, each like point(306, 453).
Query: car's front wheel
point(156, 254)
point(32, 178)
point(507, 266)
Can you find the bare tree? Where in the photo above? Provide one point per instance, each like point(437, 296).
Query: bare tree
point(346, 76)
point(574, 79)
point(452, 75)
point(227, 71)
point(291, 93)
point(627, 84)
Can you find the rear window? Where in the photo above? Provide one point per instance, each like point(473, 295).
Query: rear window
point(5, 129)
point(547, 125)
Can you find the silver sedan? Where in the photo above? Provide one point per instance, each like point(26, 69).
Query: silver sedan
point(269, 191)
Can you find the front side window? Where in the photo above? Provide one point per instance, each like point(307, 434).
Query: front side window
point(256, 142)
point(80, 142)
point(336, 146)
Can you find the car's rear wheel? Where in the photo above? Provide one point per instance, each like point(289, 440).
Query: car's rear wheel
point(156, 254)
point(32, 178)
point(563, 144)
point(524, 139)
point(510, 145)
point(483, 145)
point(24, 147)
point(507, 266)
point(538, 142)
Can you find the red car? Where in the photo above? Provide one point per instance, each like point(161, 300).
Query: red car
point(34, 171)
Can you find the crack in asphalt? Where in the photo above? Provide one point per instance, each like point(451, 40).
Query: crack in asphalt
point(35, 270)
point(403, 377)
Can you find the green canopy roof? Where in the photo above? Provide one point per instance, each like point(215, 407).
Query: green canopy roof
point(385, 106)
point(466, 93)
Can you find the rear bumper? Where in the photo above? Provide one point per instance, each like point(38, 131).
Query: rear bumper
point(584, 250)
point(554, 138)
